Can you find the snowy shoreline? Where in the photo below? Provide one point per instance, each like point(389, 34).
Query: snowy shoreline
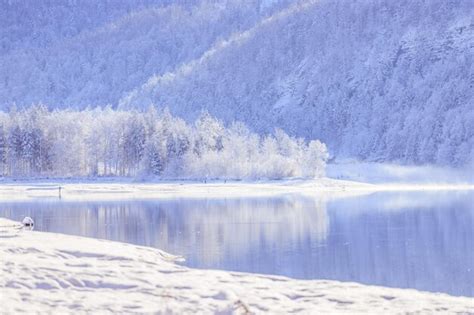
point(121, 189)
point(46, 272)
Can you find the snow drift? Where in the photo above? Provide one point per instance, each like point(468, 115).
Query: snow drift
point(49, 272)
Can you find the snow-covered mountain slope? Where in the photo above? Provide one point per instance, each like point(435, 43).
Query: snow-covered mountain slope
point(377, 80)
point(37, 24)
point(81, 53)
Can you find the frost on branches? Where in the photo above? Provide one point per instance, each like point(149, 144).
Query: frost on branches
point(104, 142)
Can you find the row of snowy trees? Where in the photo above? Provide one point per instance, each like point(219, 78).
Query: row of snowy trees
point(105, 142)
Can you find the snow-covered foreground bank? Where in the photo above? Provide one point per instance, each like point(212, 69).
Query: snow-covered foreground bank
point(52, 273)
point(119, 189)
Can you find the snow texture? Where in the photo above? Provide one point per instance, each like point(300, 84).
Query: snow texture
point(46, 272)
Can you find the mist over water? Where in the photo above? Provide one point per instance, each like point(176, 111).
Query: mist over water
point(380, 173)
point(407, 240)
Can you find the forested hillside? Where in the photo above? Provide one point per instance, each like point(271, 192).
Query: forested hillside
point(91, 53)
point(375, 80)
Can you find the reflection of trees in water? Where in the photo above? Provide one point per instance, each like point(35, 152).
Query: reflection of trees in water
point(209, 231)
point(417, 240)
point(231, 228)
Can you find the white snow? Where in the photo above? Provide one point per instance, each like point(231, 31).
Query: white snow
point(121, 189)
point(52, 273)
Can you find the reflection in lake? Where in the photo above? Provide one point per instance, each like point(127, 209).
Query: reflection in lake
point(416, 240)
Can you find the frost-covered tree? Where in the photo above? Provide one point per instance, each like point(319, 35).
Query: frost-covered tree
point(208, 133)
point(154, 160)
point(314, 159)
point(105, 142)
point(133, 145)
point(3, 151)
point(15, 157)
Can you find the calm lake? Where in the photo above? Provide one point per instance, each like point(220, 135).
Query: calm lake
point(407, 240)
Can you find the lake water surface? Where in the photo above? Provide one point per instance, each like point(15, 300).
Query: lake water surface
point(414, 240)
